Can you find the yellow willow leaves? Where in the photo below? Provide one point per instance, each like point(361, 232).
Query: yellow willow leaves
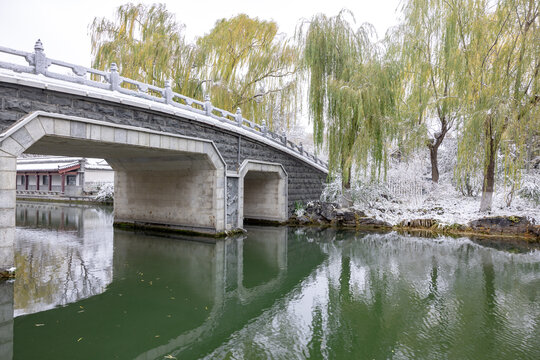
point(248, 64)
point(242, 62)
point(500, 43)
point(352, 93)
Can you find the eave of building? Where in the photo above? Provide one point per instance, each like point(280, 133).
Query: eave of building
point(45, 172)
point(63, 170)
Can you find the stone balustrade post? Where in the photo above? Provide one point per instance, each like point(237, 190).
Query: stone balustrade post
point(40, 60)
point(208, 105)
point(239, 119)
point(284, 137)
point(168, 93)
point(114, 77)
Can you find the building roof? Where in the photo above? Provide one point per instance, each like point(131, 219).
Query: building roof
point(56, 163)
point(97, 164)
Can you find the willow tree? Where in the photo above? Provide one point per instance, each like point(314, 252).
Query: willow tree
point(249, 65)
point(148, 45)
point(351, 96)
point(431, 62)
point(500, 43)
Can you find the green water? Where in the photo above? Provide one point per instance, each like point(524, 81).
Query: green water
point(86, 291)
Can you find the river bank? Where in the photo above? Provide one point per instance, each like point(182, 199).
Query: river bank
point(324, 214)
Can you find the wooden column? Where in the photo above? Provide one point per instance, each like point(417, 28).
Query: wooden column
point(63, 183)
point(25, 182)
point(37, 181)
point(50, 182)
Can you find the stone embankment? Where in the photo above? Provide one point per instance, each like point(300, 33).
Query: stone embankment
point(501, 226)
point(331, 215)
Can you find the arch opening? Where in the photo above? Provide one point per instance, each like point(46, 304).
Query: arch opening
point(262, 192)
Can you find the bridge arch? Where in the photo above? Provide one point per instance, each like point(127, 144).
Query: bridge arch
point(161, 179)
point(262, 192)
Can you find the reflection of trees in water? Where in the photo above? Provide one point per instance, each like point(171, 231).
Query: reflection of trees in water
point(59, 264)
point(385, 296)
point(434, 297)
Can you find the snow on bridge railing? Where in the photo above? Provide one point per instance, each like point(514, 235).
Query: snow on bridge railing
point(112, 80)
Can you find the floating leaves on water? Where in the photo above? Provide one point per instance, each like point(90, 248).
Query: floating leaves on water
point(40, 324)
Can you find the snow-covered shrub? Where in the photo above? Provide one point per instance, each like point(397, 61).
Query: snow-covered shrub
point(367, 194)
point(530, 188)
point(299, 209)
point(105, 192)
point(332, 190)
point(409, 181)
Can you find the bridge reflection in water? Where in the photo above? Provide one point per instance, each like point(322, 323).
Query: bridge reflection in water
point(145, 298)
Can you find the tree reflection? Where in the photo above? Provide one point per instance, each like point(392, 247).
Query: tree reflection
point(389, 296)
point(63, 254)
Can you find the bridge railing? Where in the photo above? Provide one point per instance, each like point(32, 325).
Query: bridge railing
point(111, 80)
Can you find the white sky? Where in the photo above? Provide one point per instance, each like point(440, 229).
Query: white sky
point(62, 25)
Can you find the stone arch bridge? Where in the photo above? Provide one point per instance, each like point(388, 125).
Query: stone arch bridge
point(179, 162)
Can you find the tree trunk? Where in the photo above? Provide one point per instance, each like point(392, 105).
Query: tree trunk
point(433, 149)
point(346, 185)
point(345, 199)
point(489, 179)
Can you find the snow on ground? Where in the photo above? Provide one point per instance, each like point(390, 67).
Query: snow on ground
point(447, 206)
point(407, 193)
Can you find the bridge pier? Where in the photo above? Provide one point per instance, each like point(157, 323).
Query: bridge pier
point(6, 320)
point(8, 164)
